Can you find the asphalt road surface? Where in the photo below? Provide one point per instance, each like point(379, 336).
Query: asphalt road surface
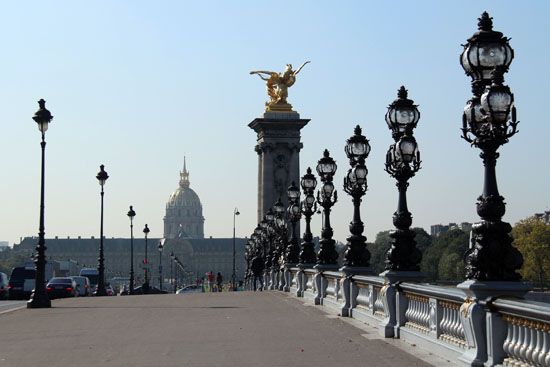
point(243, 329)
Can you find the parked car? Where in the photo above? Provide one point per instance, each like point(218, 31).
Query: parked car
point(21, 282)
point(92, 274)
point(61, 288)
point(82, 286)
point(3, 286)
point(190, 289)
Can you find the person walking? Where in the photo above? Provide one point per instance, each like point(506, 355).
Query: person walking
point(219, 281)
point(210, 277)
point(258, 270)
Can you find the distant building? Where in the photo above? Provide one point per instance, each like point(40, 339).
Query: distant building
point(197, 255)
point(438, 229)
point(184, 211)
point(545, 217)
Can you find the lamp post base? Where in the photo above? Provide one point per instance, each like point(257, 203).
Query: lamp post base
point(41, 302)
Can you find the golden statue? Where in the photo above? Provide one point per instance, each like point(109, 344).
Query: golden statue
point(277, 87)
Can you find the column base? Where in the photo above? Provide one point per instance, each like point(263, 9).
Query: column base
point(395, 276)
point(41, 302)
point(484, 290)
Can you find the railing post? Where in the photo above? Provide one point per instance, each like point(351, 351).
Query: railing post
point(401, 304)
point(435, 318)
point(320, 288)
point(388, 295)
point(300, 281)
point(496, 335)
point(472, 316)
point(346, 284)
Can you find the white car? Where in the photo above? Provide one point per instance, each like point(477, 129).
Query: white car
point(190, 289)
point(82, 286)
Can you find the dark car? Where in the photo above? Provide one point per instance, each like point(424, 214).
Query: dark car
point(61, 288)
point(21, 283)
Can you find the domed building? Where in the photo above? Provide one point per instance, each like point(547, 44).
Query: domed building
point(183, 217)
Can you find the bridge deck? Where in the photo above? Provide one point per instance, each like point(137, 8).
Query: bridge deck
point(224, 329)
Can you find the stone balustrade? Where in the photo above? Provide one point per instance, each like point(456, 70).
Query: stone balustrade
point(526, 333)
point(515, 332)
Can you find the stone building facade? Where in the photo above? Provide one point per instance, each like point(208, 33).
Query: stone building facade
point(184, 211)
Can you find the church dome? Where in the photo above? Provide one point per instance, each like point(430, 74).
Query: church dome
point(184, 211)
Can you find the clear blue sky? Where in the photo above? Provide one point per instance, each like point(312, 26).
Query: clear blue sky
point(136, 85)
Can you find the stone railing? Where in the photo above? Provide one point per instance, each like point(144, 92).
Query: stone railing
point(308, 281)
point(429, 316)
point(526, 333)
point(441, 320)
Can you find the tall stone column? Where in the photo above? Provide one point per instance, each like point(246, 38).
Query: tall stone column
point(278, 147)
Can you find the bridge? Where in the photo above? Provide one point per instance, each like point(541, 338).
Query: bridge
point(201, 329)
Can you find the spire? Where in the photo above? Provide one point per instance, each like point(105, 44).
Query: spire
point(184, 175)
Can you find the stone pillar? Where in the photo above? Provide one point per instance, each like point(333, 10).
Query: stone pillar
point(278, 147)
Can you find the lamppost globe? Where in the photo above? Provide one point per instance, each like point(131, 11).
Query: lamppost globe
point(484, 51)
point(407, 150)
point(269, 216)
point(42, 117)
point(357, 147)
point(308, 182)
point(278, 207)
point(309, 201)
point(102, 175)
point(497, 100)
point(327, 189)
point(402, 115)
point(293, 192)
point(326, 166)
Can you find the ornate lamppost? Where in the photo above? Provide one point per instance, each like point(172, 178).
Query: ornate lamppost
point(280, 241)
point(233, 274)
point(309, 206)
point(160, 248)
point(326, 197)
point(355, 184)
point(102, 177)
point(39, 298)
point(294, 214)
point(145, 286)
point(402, 163)
point(489, 121)
point(131, 214)
point(171, 270)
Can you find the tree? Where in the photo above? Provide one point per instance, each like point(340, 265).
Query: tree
point(443, 259)
point(532, 238)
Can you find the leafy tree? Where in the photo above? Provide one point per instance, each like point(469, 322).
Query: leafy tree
point(11, 258)
point(443, 260)
point(532, 238)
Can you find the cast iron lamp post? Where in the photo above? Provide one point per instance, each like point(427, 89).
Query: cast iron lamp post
point(145, 286)
point(309, 206)
point(39, 298)
point(355, 184)
point(131, 214)
point(402, 163)
point(171, 270)
point(294, 215)
point(489, 121)
point(102, 177)
point(327, 197)
point(233, 274)
point(160, 248)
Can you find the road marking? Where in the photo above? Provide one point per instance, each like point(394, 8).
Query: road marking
point(13, 309)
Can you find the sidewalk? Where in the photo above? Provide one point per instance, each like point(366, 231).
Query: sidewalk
point(241, 329)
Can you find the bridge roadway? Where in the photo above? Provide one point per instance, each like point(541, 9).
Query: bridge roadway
point(243, 329)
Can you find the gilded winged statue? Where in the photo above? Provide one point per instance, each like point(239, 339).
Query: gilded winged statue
point(278, 83)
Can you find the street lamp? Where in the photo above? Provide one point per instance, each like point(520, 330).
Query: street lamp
point(131, 214)
point(327, 197)
point(145, 286)
point(160, 248)
point(488, 122)
point(294, 215)
point(102, 177)
point(174, 281)
point(39, 298)
point(309, 207)
point(233, 274)
point(402, 163)
point(171, 271)
point(355, 184)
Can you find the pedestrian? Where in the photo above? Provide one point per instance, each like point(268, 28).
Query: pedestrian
point(219, 280)
point(258, 270)
point(210, 277)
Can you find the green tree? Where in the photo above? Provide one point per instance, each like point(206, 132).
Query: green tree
point(443, 259)
point(532, 238)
